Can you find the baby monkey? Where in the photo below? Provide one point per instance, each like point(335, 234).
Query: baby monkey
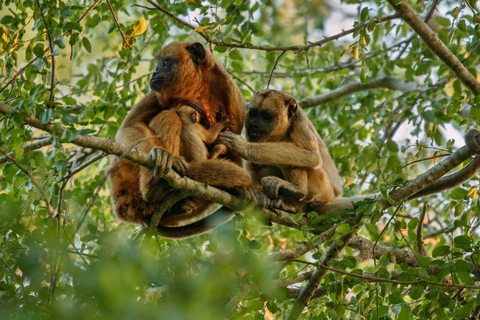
point(287, 158)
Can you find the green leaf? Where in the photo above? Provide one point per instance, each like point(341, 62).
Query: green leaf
point(364, 14)
point(440, 251)
point(38, 50)
point(46, 115)
point(463, 242)
point(87, 45)
point(343, 229)
point(405, 314)
point(475, 113)
point(235, 55)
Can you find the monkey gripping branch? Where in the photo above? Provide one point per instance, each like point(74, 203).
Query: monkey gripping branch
point(432, 181)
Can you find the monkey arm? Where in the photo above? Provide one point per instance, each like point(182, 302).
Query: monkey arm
point(135, 126)
point(271, 153)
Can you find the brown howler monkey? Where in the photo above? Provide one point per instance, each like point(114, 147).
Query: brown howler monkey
point(186, 74)
point(287, 157)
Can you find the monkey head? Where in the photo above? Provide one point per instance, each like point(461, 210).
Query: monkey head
point(188, 74)
point(179, 77)
point(269, 116)
point(178, 66)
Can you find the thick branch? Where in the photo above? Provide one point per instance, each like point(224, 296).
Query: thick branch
point(111, 147)
point(368, 250)
point(409, 190)
point(384, 82)
point(431, 39)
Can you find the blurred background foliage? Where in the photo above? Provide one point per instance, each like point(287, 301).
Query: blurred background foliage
point(63, 254)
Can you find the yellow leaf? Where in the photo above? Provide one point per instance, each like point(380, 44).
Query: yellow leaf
point(355, 52)
point(436, 157)
point(139, 28)
point(201, 28)
point(131, 41)
point(472, 191)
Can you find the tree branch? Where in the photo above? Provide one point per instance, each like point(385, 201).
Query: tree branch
point(368, 250)
point(370, 278)
point(431, 39)
point(407, 191)
point(421, 246)
point(383, 82)
point(309, 290)
point(29, 147)
point(296, 49)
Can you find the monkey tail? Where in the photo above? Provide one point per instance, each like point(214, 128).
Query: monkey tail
point(216, 219)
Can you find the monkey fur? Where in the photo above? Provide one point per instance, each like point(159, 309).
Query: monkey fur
point(186, 75)
point(287, 158)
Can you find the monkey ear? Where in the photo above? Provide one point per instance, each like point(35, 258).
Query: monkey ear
point(197, 52)
point(292, 107)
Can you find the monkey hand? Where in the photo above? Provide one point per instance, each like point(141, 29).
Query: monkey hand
point(180, 166)
point(271, 186)
point(163, 161)
point(233, 141)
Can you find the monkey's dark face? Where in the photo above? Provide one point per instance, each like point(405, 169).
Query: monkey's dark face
point(268, 117)
point(260, 124)
point(164, 73)
point(178, 68)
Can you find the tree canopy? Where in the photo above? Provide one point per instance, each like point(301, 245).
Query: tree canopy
point(392, 87)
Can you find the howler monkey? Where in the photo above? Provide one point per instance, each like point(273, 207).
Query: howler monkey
point(186, 75)
point(287, 157)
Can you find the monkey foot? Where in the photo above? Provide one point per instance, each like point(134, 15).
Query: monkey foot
point(189, 206)
point(264, 201)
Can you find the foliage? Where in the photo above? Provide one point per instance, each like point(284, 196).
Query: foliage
point(63, 254)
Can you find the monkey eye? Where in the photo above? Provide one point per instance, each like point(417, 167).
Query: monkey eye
point(253, 113)
point(165, 63)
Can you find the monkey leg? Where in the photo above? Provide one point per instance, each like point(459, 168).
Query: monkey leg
point(167, 126)
point(217, 151)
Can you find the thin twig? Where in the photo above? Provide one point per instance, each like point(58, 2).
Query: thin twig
point(242, 82)
point(43, 195)
point(51, 44)
point(421, 246)
point(30, 147)
point(473, 10)
point(297, 49)
point(422, 281)
point(274, 66)
point(83, 15)
point(381, 233)
point(22, 70)
point(84, 165)
point(118, 25)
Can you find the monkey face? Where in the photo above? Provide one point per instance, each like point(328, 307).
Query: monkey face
point(164, 73)
point(269, 115)
point(177, 68)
